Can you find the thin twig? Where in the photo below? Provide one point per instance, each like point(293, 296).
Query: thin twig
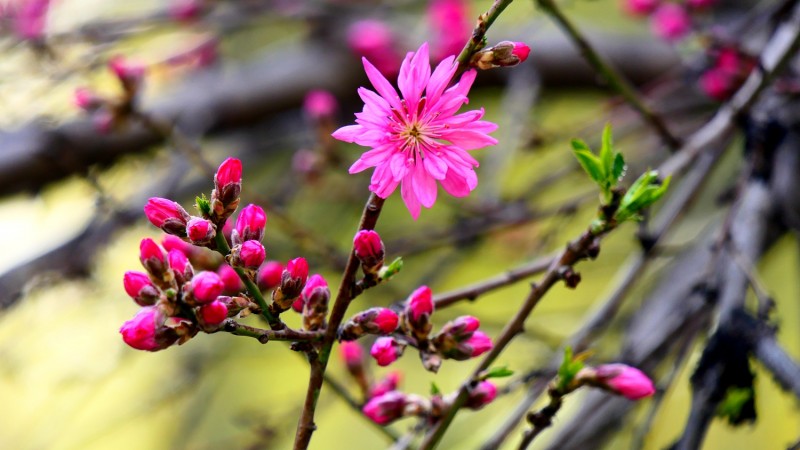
point(319, 361)
point(614, 78)
point(264, 336)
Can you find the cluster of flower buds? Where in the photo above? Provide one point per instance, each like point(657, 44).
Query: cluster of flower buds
point(458, 339)
point(176, 302)
point(108, 112)
point(248, 252)
point(729, 69)
point(504, 54)
point(389, 406)
point(670, 21)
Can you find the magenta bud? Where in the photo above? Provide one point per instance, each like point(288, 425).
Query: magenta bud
point(481, 395)
point(372, 321)
point(200, 231)
point(230, 279)
point(207, 286)
point(250, 224)
point(369, 249)
point(315, 302)
point(269, 276)
point(229, 172)
point(294, 277)
point(386, 350)
point(386, 320)
point(180, 265)
point(129, 74)
point(352, 354)
point(671, 22)
point(248, 255)
point(167, 215)
point(86, 99)
point(153, 258)
point(170, 242)
point(625, 380)
point(420, 303)
point(146, 331)
point(214, 313)
point(388, 383)
point(521, 51)
point(479, 343)
point(140, 288)
point(298, 305)
point(385, 408)
point(320, 104)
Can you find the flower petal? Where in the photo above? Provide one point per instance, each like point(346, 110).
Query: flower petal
point(435, 165)
point(467, 139)
point(348, 133)
point(424, 186)
point(381, 85)
point(440, 79)
point(409, 197)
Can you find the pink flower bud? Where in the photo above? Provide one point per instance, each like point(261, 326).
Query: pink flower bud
point(372, 321)
point(625, 380)
point(180, 265)
point(252, 254)
point(465, 324)
point(229, 172)
point(386, 320)
point(200, 231)
point(640, 7)
point(143, 331)
point(129, 74)
point(479, 343)
point(369, 248)
point(294, 277)
point(521, 51)
point(250, 223)
point(167, 215)
point(481, 395)
point(230, 279)
point(374, 40)
point(320, 104)
point(671, 22)
point(170, 242)
point(385, 408)
point(269, 276)
point(315, 302)
point(86, 99)
point(420, 303)
point(352, 354)
point(717, 84)
point(140, 288)
point(207, 286)
point(152, 257)
point(386, 350)
point(214, 313)
point(298, 305)
point(386, 384)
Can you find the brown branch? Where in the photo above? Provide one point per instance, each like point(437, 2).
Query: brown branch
point(263, 336)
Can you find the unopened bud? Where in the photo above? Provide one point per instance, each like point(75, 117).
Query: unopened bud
point(293, 280)
point(129, 74)
point(250, 224)
point(200, 231)
point(481, 395)
point(418, 310)
point(213, 313)
point(624, 380)
point(353, 357)
point(139, 287)
point(320, 105)
point(167, 215)
point(369, 250)
point(377, 320)
point(147, 330)
point(269, 276)
point(504, 54)
point(477, 344)
point(390, 382)
point(671, 22)
point(315, 302)
point(227, 187)
point(86, 99)
point(230, 279)
point(206, 287)
point(386, 350)
point(153, 258)
point(385, 408)
point(179, 263)
point(249, 255)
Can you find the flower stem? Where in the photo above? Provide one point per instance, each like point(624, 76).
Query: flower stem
point(319, 361)
point(614, 78)
point(274, 321)
point(264, 336)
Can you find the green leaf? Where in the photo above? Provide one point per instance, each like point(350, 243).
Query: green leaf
point(607, 155)
point(202, 204)
point(618, 170)
point(387, 272)
point(736, 404)
point(435, 389)
point(499, 372)
point(590, 163)
point(644, 192)
point(570, 367)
